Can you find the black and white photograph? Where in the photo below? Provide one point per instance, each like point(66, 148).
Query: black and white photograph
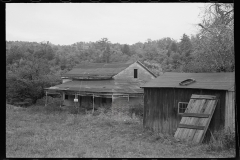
point(120, 80)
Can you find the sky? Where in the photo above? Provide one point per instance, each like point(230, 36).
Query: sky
point(124, 23)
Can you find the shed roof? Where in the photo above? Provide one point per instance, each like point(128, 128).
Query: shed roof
point(112, 86)
point(214, 81)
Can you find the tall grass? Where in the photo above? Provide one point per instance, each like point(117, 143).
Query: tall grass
point(223, 139)
point(50, 131)
point(52, 108)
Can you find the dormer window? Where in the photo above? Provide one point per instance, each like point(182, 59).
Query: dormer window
point(135, 73)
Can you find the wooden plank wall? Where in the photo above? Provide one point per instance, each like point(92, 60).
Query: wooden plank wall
point(160, 108)
point(230, 111)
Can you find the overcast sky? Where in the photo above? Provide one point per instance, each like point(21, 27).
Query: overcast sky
point(127, 23)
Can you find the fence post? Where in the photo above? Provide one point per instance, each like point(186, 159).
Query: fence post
point(46, 99)
point(93, 104)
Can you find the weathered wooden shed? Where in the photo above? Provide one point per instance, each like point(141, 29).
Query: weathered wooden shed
point(165, 100)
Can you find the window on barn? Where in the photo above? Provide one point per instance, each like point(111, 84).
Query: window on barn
point(182, 107)
point(135, 73)
point(66, 96)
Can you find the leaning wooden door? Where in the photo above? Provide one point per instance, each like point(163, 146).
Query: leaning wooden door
point(196, 118)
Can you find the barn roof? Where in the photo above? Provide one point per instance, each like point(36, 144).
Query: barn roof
point(96, 69)
point(100, 70)
point(113, 86)
point(215, 81)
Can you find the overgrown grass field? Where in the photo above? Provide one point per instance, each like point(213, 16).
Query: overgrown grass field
point(41, 131)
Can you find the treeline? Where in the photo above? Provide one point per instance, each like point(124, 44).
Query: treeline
point(32, 66)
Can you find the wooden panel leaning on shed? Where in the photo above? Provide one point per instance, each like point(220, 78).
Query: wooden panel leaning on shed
point(163, 94)
point(196, 119)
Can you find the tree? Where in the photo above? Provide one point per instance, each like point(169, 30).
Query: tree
point(126, 50)
point(44, 51)
point(185, 46)
point(176, 60)
point(105, 49)
point(14, 54)
point(151, 52)
point(174, 47)
point(106, 54)
point(28, 79)
point(216, 41)
point(164, 43)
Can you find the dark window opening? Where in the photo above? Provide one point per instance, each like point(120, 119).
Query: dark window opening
point(182, 106)
point(66, 96)
point(104, 100)
point(135, 73)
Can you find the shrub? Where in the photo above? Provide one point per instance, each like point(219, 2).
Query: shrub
point(137, 109)
point(222, 139)
point(76, 110)
point(52, 107)
point(45, 109)
point(50, 100)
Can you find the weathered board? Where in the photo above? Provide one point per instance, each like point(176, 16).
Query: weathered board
point(196, 119)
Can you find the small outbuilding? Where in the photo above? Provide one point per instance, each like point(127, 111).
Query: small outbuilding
point(167, 97)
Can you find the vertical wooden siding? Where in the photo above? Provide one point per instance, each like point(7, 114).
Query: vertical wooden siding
point(160, 108)
point(230, 111)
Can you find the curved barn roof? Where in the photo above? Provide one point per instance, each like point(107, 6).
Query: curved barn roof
point(215, 81)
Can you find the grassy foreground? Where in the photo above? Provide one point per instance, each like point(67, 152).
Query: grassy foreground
point(42, 132)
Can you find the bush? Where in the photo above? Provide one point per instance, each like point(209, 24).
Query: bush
point(222, 140)
point(52, 108)
point(136, 109)
point(50, 100)
point(53, 105)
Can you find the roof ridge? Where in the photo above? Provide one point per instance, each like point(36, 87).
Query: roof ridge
point(146, 68)
point(101, 63)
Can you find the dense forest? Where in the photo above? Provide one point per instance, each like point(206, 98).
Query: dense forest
point(32, 66)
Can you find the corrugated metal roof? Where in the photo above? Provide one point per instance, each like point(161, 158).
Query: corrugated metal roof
point(113, 86)
point(218, 81)
point(96, 69)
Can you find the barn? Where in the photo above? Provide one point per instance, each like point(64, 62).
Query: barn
point(94, 85)
point(165, 99)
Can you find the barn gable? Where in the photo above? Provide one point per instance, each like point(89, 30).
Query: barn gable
point(141, 73)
